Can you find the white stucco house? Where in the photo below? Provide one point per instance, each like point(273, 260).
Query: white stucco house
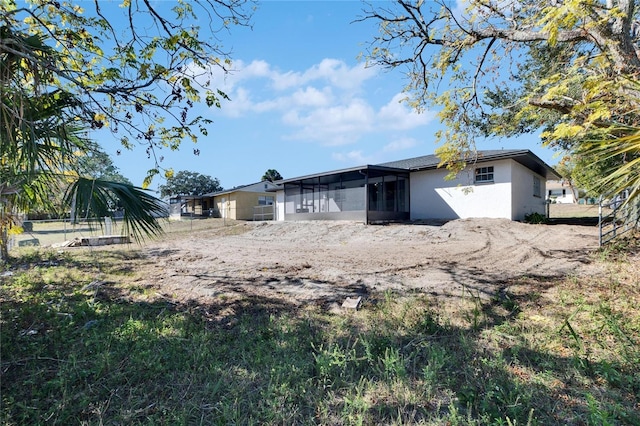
point(495, 184)
point(559, 191)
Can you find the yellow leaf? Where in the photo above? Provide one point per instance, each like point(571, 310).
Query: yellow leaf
point(15, 230)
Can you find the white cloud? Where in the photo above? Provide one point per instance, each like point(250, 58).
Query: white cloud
point(340, 75)
point(328, 103)
point(257, 68)
point(311, 97)
point(352, 157)
point(239, 72)
point(236, 73)
point(400, 145)
point(397, 115)
point(240, 103)
point(328, 71)
point(331, 126)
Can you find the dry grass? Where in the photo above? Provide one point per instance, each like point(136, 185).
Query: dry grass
point(573, 210)
point(79, 347)
point(47, 233)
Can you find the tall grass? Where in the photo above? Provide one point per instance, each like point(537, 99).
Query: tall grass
point(81, 346)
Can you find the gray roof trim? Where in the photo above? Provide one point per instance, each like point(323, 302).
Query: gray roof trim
point(522, 156)
point(428, 162)
point(378, 167)
point(235, 189)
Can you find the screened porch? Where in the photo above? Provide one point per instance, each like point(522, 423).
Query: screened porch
point(368, 194)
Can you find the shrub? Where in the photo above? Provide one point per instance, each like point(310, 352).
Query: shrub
point(535, 218)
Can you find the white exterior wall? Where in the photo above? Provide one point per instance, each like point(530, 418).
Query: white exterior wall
point(524, 202)
point(510, 196)
point(560, 192)
point(433, 197)
point(567, 198)
point(279, 207)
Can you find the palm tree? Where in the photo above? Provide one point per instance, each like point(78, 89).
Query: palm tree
point(38, 147)
point(616, 162)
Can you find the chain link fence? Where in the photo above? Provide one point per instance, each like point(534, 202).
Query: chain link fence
point(55, 231)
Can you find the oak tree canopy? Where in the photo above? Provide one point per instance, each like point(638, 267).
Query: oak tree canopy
point(185, 182)
point(566, 68)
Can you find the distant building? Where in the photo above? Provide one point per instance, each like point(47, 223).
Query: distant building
point(560, 192)
point(247, 202)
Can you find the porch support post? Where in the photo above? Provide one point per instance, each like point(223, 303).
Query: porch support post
point(366, 197)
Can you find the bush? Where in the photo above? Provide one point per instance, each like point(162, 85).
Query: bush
point(535, 218)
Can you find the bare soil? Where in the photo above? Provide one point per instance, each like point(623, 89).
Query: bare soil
point(320, 262)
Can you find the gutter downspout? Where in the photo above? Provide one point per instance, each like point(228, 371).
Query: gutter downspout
point(408, 189)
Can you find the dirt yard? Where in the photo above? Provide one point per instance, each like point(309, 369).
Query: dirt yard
point(326, 262)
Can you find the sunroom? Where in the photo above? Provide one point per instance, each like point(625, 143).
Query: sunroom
point(369, 194)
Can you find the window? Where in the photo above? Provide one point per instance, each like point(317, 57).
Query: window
point(484, 174)
point(537, 192)
point(265, 200)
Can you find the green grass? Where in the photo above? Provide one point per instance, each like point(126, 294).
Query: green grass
point(78, 346)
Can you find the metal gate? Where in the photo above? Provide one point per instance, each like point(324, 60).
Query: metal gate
point(617, 217)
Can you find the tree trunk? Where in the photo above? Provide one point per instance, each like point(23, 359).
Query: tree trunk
point(4, 244)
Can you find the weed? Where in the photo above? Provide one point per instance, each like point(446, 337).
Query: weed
point(436, 360)
point(74, 355)
point(535, 218)
point(356, 407)
point(392, 364)
point(475, 316)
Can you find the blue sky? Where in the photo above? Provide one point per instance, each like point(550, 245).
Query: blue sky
point(302, 102)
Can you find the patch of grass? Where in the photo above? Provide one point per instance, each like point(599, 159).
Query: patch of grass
point(76, 349)
point(621, 247)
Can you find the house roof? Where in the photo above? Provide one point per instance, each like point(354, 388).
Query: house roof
point(252, 187)
point(427, 162)
point(370, 168)
point(522, 156)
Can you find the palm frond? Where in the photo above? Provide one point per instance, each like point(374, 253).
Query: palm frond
point(95, 198)
point(620, 161)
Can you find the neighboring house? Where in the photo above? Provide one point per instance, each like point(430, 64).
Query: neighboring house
point(180, 205)
point(497, 184)
point(558, 191)
point(245, 202)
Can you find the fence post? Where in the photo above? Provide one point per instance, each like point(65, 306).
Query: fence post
point(548, 205)
point(600, 223)
point(107, 225)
